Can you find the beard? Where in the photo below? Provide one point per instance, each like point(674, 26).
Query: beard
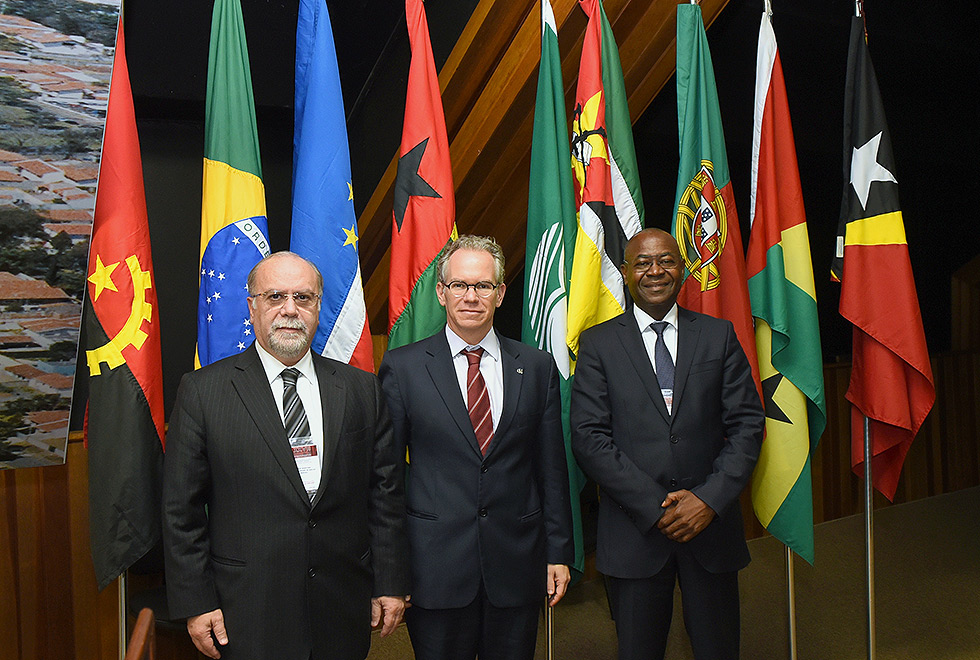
point(289, 345)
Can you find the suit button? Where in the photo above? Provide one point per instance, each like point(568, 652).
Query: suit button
point(674, 439)
point(483, 469)
point(311, 523)
point(312, 572)
point(673, 482)
point(483, 512)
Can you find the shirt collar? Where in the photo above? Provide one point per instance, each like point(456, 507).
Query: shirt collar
point(273, 367)
point(644, 320)
point(490, 344)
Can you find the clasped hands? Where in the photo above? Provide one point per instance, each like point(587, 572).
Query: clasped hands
point(685, 516)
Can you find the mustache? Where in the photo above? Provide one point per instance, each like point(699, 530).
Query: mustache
point(294, 324)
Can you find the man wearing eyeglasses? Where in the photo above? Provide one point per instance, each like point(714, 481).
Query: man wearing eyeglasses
point(672, 448)
point(489, 522)
point(283, 491)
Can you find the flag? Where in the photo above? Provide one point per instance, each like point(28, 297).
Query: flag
point(784, 305)
point(324, 228)
point(234, 230)
point(607, 186)
point(706, 224)
point(551, 230)
point(891, 378)
point(423, 218)
point(124, 421)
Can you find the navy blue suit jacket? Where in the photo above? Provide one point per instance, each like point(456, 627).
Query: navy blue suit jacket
point(500, 518)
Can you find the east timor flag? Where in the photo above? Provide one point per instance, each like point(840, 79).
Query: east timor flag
point(891, 378)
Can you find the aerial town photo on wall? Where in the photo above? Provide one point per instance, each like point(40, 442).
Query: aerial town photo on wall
point(55, 66)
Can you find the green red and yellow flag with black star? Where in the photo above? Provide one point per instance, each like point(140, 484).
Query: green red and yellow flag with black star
point(124, 421)
point(891, 378)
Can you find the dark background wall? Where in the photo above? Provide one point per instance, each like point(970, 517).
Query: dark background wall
point(925, 54)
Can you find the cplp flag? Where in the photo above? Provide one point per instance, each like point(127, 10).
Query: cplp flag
point(784, 305)
point(551, 230)
point(607, 187)
point(891, 378)
point(423, 218)
point(234, 229)
point(706, 224)
point(324, 228)
point(124, 421)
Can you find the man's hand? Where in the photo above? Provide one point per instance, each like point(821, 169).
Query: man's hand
point(686, 516)
point(387, 612)
point(202, 626)
point(558, 579)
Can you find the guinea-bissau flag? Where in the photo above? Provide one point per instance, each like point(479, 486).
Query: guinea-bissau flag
point(234, 230)
point(607, 185)
point(784, 305)
point(705, 223)
point(551, 230)
point(423, 218)
point(324, 227)
point(124, 419)
point(891, 378)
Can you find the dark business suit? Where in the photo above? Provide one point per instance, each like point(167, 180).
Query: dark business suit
point(293, 578)
point(624, 438)
point(496, 520)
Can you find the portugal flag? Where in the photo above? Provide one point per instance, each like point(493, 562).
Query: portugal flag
point(124, 421)
point(785, 309)
point(705, 224)
point(234, 229)
point(607, 187)
point(423, 219)
point(891, 378)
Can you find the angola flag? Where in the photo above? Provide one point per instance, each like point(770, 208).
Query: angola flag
point(423, 218)
point(324, 227)
point(234, 230)
point(784, 305)
point(891, 378)
point(607, 188)
point(551, 230)
point(705, 223)
point(124, 420)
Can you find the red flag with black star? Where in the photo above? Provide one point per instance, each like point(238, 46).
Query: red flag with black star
point(891, 378)
point(124, 421)
point(423, 218)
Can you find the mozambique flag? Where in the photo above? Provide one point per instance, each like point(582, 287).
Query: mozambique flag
point(324, 227)
point(891, 378)
point(124, 420)
point(607, 187)
point(784, 305)
point(705, 223)
point(234, 229)
point(551, 230)
point(423, 218)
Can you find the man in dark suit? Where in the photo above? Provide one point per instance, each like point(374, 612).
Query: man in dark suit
point(283, 491)
point(671, 448)
point(489, 522)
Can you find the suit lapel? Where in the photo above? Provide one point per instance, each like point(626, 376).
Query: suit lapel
point(333, 401)
point(629, 334)
point(440, 367)
point(688, 334)
point(252, 386)
point(512, 369)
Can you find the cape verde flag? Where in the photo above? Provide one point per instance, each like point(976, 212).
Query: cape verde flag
point(324, 228)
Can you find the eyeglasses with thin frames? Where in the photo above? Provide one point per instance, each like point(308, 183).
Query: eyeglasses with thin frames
point(459, 288)
point(302, 299)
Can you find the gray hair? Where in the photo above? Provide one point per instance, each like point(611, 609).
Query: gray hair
point(477, 244)
point(284, 253)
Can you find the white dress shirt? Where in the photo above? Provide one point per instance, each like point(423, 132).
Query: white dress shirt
point(490, 367)
point(649, 335)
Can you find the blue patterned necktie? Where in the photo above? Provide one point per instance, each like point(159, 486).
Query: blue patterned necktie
point(662, 359)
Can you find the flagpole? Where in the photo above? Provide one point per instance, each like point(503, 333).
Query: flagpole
point(549, 627)
point(791, 601)
point(121, 581)
point(869, 539)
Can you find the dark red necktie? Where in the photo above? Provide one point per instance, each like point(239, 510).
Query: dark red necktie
point(478, 400)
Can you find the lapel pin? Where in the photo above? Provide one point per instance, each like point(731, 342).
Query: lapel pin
point(520, 371)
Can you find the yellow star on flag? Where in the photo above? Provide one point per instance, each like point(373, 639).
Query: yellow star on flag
point(350, 190)
point(351, 235)
point(102, 277)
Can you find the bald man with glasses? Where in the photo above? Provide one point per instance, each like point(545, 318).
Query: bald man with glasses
point(489, 522)
point(283, 495)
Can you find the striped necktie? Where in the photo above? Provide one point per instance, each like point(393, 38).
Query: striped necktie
point(478, 400)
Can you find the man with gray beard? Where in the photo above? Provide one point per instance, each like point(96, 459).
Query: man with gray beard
point(283, 495)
